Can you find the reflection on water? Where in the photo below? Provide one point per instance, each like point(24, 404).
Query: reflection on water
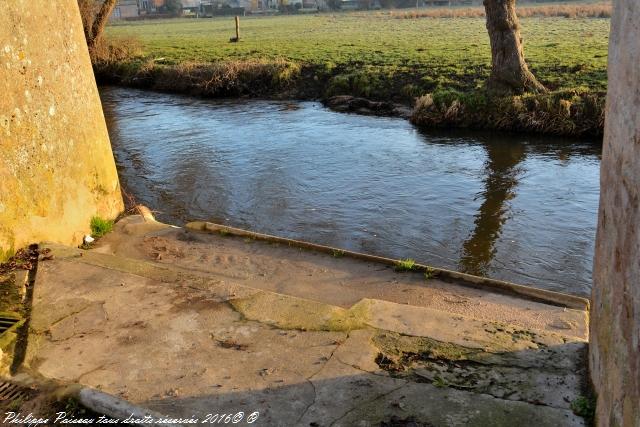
point(501, 179)
point(513, 207)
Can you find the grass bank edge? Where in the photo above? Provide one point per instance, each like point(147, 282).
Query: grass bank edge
point(565, 112)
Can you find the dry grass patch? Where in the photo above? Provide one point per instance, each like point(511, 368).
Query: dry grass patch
point(225, 78)
point(216, 79)
point(570, 112)
point(598, 10)
point(116, 49)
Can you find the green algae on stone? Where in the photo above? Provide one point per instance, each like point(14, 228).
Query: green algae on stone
point(287, 312)
point(403, 348)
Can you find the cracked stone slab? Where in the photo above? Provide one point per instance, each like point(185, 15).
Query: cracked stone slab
point(136, 346)
point(336, 281)
point(547, 376)
point(340, 388)
point(59, 309)
point(456, 329)
point(187, 343)
point(90, 319)
point(359, 351)
point(289, 312)
point(448, 407)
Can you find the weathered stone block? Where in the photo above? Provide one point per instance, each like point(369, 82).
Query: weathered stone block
point(56, 165)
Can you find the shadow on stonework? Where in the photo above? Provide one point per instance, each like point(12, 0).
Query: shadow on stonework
point(417, 386)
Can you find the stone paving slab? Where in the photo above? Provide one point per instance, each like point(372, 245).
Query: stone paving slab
point(334, 280)
point(189, 342)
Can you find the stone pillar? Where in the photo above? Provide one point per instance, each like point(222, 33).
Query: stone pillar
point(615, 316)
point(56, 165)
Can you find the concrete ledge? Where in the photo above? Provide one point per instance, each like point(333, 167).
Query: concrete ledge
point(97, 401)
point(504, 287)
point(117, 408)
point(145, 213)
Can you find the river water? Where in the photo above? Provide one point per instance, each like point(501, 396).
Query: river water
point(515, 207)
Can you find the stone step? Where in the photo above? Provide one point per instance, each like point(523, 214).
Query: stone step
point(327, 278)
point(292, 312)
point(406, 359)
point(183, 343)
point(423, 361)
point(487, 284)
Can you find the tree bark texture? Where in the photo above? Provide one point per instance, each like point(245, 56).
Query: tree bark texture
point(509, 71)
point(94, 25)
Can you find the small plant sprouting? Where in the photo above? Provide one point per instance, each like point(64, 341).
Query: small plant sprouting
point(439, 382)
point(74, 408)
point(16, 404)
point(223, 233)
point(584, 407)
point(337, 253)
point(429, 273)
point(100, 227)
point(405, 265)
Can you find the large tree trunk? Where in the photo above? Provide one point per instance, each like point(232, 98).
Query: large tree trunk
point(93, 30)
point(509, 71)
point(87, 13)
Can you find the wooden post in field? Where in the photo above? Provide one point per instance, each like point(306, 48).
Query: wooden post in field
point(237, 37)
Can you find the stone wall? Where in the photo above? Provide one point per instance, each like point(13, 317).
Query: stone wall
point(615, 319)
point(56, 165)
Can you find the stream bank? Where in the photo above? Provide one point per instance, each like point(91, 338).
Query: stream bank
point(575, 112)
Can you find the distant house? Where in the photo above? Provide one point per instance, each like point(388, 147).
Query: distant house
point(246, 4)
point(191, 5)
point(349, 5)
point(240, 7)
point(223, 7)
point(151, 6)
point(314, 5)
point(450, 2)
point(125, 9)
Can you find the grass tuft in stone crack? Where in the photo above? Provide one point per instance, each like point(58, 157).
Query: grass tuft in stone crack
point(430, 273)
point(585, 406)
point(405, 265)
point(439, 382)
point(337, 253)
point(100, 227)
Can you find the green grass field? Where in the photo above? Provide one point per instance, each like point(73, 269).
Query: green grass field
point(371, 50)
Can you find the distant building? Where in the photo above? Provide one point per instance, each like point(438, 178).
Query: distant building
point(191, 5)
point(151, 6)
point(314, 5)
point(349, 4)
point(125, 9)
